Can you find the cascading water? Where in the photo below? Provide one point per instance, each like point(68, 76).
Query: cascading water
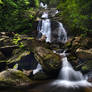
point(44, 28)
point(68, 77)
point(43, 5)
point(37, 69)
point(68, 73)
point(62, 35)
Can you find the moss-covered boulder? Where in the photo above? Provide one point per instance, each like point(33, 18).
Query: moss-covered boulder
point(50, 61)
point(13, 78)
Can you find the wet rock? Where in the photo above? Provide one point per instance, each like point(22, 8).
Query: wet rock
point(40, 76)
point(79, 49)
point(89, 74)
point(88, 89)
point(50, 61)
point(79, 42)
point(13, 78)
point(85, 56)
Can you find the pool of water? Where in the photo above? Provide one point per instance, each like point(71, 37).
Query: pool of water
point(46, 86)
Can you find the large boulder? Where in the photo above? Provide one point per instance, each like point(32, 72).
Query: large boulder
point(13, 78)
point(50, 61)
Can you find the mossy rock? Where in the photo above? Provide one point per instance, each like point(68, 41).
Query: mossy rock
point(40, 76)
point(50, 61)
point(19, 54)
point(87, 66)
point(13, 78)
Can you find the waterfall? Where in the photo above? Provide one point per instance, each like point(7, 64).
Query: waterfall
point(68, 77)
point(44, 28)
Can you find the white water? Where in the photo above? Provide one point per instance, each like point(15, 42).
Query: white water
point(62, 35)
point(37, 69)
point(43, 5)
point(44, 15)
point(68, 73)
point(68, 77)
point(45, 29)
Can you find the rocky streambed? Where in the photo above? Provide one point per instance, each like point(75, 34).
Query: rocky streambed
point(20, 54)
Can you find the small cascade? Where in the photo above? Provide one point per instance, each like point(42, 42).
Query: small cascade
point(37, 69)
point(68, 73)
point(43, 5)
point(62, 35)
point(68, 77)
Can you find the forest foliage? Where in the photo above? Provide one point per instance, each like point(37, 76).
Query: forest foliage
point(17, 15)
point(75, 14)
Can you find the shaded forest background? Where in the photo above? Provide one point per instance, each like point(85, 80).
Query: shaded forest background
point(20, 15)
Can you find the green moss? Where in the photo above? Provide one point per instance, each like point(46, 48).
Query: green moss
point(18, 56)
point(13, 77)
point(84, 68)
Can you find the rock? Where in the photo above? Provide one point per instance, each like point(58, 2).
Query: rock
point(77, 48)
point(2, 57)
point(89, 74)
point(24, 58)
point(7, 50)
point(79, 42)
point(84, 54)
point(50, 61)
point(88, 89)
point(13, 78)
point(43, 38)
point(6, 41)
point(3, 65)
point(40, 76)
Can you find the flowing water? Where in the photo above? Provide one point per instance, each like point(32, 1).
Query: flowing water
point(42, 5)
point(44, 28)
point(68, 79)
point(37, 69)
